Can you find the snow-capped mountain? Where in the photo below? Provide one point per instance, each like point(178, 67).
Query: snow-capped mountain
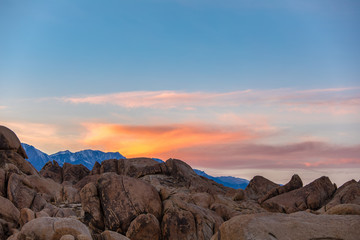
point(86, 157)
point(227, 181)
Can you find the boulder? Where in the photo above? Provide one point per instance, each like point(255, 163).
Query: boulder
point(14, 158)
point(110, 165)
point(53, 228)
point(91, 205)
point(9, 141)
point(239, 195)
point(26, 215)
point(52, 170)
point(184, 220)
point(110, 235)
point(293, 184)
point(74, 173)
point(96, 169)
point(258, 187)
point(299, 226)
point(344, 209)
point(123, 198)
point(144, 226)
point(48, 188)
point(8, 211)
point(347, 193)
point(70, 194)
point(20, 191)
point(312, 196)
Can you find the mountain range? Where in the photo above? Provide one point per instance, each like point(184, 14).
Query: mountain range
point(88, 158)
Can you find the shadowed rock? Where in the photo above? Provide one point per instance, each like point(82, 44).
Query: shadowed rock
point(258, 187)
point(293, 184)
point(312, 196)
point(347, 193)
point(9, 141)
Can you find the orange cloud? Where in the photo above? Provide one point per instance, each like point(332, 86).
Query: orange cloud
point(155, 140)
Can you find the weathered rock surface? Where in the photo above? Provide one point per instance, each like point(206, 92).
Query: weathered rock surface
point(9, 141)
point(20, 191)
point(312, 196)
point(258, 187)
point(345, 209)
point(8, 211)
point(68, 173)
point(74, 173)
point(299, 226)
point(53, 228)
point(294, 183)
point(53, 171)
point(122, 199)
point(26, 215)
point(92, 207)
point(347, 193)
point(110, 235)
point(144, 226)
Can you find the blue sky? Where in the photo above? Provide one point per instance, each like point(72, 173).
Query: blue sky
point(71, 47)
point(259, 75)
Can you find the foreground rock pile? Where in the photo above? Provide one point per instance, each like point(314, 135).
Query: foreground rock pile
point(144, 199)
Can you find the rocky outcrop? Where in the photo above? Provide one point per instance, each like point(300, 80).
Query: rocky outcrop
point(74, 173)
point(300, 226)
point(53, 171)
point(258, 187)
point(312, 196)
point(349, 193)
point(137, 197)
point(68, 173)
point(294, 183)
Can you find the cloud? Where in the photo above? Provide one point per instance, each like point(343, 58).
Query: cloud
point(3, 107)
point(333, 100)
point(220, 147)
point(245, 155)
point(132, 140)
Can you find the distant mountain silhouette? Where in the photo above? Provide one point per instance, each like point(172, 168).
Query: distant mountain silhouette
point(227, 181)
point(86, 157)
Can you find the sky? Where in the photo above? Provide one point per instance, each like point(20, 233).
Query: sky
point(239, 88)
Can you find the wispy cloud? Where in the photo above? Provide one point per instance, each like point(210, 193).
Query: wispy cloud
point(3, 107)
point(333, 100)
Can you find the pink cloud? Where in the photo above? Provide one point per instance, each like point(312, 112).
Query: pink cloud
point(335, 101)
point(245, 155)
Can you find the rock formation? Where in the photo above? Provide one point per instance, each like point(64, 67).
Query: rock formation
point(141, 198)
